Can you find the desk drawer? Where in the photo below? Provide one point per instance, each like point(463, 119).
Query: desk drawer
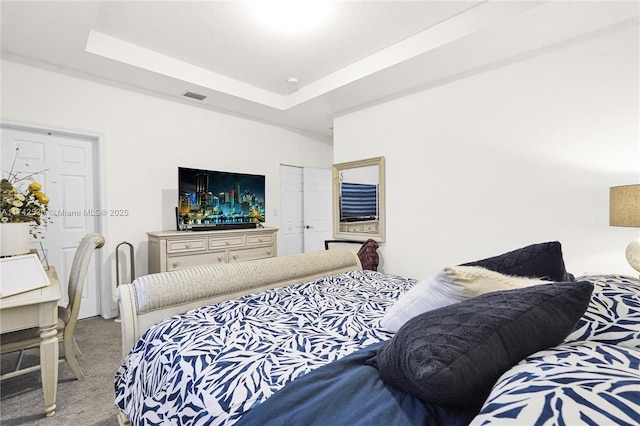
point(20, 318)
point(187, 245)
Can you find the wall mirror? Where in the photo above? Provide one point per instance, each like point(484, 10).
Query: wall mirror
point(359, 200)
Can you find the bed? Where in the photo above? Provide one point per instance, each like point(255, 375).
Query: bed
point(315, 339)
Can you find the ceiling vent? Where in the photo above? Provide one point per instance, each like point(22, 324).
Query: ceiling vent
point(194, 96)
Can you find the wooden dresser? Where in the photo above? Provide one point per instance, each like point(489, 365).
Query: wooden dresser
point(170, 250)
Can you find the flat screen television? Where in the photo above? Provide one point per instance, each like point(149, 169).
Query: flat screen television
point(209, 199)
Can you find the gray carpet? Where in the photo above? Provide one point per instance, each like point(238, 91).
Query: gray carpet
point(87, 402)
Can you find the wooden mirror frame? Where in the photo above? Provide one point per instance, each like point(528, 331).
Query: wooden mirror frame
point(374, 230)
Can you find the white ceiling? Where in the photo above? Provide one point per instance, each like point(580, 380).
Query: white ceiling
point(365, 52)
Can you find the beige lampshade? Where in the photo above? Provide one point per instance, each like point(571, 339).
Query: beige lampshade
point(624, 206)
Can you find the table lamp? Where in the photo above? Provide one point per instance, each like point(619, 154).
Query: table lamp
point(624, 210)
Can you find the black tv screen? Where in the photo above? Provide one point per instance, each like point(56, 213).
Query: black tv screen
point(209, 198)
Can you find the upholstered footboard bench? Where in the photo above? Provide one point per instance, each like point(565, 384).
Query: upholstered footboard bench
point(152, 298)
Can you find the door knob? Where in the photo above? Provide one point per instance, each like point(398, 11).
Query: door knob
point(308, 226)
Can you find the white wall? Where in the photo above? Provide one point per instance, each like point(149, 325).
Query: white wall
point(145, 140)
point(519, 154)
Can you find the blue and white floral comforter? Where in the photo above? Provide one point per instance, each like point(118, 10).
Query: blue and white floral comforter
point(210, 365)
point(593, 378)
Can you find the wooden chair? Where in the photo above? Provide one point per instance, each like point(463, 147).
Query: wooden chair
point(67, 317)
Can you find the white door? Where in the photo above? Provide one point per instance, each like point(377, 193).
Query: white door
point(66, 166)
point(317, 208)
point(305, 209)
point(291, 234)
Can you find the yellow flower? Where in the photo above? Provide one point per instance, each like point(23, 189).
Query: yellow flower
point(41, 197)
point(35, 186)
point(21, 197)
point(17, 203)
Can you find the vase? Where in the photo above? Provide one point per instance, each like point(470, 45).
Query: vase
point(14, 238)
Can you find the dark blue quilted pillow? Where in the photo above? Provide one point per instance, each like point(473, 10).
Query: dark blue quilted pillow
point(542, 260)
point(452, 356)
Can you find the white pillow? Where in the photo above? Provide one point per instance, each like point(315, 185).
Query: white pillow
point(447, 286)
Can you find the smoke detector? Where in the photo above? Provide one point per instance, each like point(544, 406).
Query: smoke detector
point(292, 84)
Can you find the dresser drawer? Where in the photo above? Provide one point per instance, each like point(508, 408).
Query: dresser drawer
point(251, 254)
point(181, 262)
point(187, 245)
point(371, 227)
point(218, 243)
point(171, 250)
point(253, 240)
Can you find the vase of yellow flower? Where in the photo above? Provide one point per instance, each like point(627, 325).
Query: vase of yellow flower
point(20, 208)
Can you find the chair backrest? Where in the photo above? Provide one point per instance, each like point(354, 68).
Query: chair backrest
point(366, 251)
point(79, 267)
point(352, 245)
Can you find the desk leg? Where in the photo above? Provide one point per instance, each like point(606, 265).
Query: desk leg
point(49, 353)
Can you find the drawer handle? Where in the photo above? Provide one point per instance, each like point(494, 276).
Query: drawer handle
point(269, 252)
point(175, 264)
point(235, 256)
point(227, 242)
point(260, 239)
point(220, 258)
point(187, 245)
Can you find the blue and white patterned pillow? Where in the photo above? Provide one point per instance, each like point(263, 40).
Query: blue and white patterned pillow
point(592, 378)
point(613, 315)
point(572, 384)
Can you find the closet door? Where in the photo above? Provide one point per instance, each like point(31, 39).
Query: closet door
point(291, 229)
point(317, 208)
point(65, 167)
point(305, 209)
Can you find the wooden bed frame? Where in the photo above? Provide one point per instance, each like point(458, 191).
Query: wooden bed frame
point(152, 298)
